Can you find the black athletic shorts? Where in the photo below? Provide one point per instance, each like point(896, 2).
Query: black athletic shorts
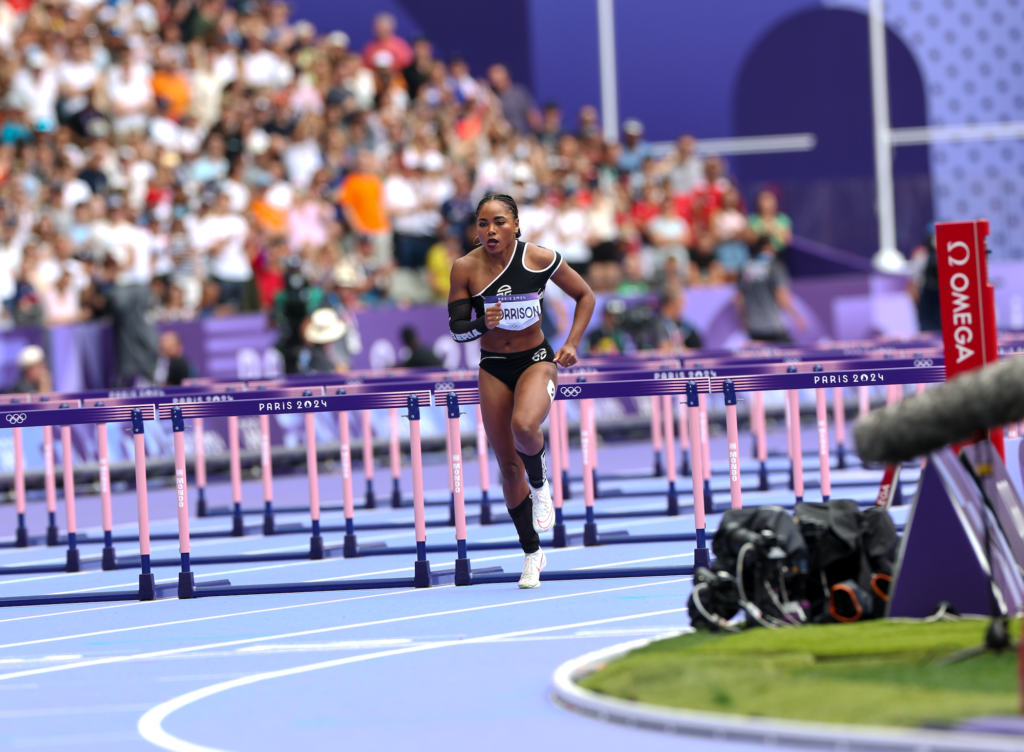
point(508, 367)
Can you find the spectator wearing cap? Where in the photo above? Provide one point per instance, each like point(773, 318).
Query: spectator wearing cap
point(634, 148)
point(35, 375)
point(516, 101)
point(361, 197)
point(385, 39)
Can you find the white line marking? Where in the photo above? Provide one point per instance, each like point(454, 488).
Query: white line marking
point(635, 561)
point(151, 723)
point(230, 643)
point(64, 613)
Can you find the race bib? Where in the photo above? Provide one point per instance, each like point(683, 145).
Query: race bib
point(518, 312)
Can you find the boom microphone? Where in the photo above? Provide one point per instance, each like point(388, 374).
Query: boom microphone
point(951, 412)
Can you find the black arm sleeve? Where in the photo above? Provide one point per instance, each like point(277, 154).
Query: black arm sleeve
point(463, 329)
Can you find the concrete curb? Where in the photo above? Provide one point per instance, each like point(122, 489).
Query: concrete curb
point(748, 729)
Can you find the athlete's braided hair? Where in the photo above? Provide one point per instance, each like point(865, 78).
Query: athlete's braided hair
point(504, 199)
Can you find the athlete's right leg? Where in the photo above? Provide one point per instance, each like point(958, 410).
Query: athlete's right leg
point(496, 401)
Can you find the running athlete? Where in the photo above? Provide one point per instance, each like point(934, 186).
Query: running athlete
point(503, 281)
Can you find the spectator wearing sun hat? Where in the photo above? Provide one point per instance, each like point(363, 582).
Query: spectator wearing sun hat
point(325, 350)
point(35, 375)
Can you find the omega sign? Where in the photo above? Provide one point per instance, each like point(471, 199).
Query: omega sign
point(967, 317)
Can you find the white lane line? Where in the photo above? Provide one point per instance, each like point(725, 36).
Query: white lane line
point(119, 630)
point(151, 723)
point(64, 613)
point(322, 630)
point(635, 561)
point(90, 710)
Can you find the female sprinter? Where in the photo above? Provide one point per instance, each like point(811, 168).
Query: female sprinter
point(503, 281)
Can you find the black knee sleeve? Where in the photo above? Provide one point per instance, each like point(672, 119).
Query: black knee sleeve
point(536, 469)
point(522, 517)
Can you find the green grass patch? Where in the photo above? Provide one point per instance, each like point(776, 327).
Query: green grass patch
point(876, 672)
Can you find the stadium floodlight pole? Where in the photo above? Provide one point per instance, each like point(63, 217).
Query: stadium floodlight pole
point(609, 78)
point(887, 259)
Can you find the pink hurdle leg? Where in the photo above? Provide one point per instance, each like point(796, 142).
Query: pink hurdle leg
point(422, 567)
point(555, 431)
point(798, 456)
point(73, 560)
point(592, 417)
point(705, 453)
point(463, 570)
point(732, 432)
point(824, 455)
point(186, 577)
point(348, 496)
point(371, 500)
point(587, 450)
point(147, 583)
point(50, 483)
point(563, 430)
point(395, 455)
point(656, 442)
point(316, 541)
point(267, 471)
point(21, 532)
point(109, 556)
point(839, 415)
point(863, 400)
point(684, 440)
point(759, 425)
point(235, 466)
point(666, 401)
point(484, 460)
point(701, 557)
point(199, 438)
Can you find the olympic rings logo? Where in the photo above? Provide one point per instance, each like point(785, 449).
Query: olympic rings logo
point(444, 386)
point(923, 363)
point(571, 391)
point(16, 418)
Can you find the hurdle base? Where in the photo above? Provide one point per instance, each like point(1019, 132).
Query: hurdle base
point(21, 537)
point(52, 536)
point(463, 572)
point(147, 587)
point(201, 503)
point(421, 574)
point(237, 526)
point(396, 494)
point(186, 585)
point(590, 534)
point(558, 535)
point(268, 522)
point(316, 547)
point(109, 560)
point(74, 561)
point(350, 548)
point(673, 499)
point(701, 558)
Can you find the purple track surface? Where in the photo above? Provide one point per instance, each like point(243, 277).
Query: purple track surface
point(377, 669)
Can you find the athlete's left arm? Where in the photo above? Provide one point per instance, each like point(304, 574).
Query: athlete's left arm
point(577, 289)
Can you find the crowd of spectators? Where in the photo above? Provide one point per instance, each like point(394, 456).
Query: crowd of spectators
point(174, 159)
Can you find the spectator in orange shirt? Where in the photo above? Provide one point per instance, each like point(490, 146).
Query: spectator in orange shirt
point(361, 197)
point(171, 85)
point(387, 39)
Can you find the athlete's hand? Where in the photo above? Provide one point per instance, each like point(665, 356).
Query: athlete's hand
point(566, 356)
point(492, 317)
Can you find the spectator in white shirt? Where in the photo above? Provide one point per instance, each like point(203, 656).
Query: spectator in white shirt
point(34, 89)
point(130, 91)
point(77, 76)
point(221, 235)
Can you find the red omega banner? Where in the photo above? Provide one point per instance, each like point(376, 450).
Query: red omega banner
point(966, 300)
